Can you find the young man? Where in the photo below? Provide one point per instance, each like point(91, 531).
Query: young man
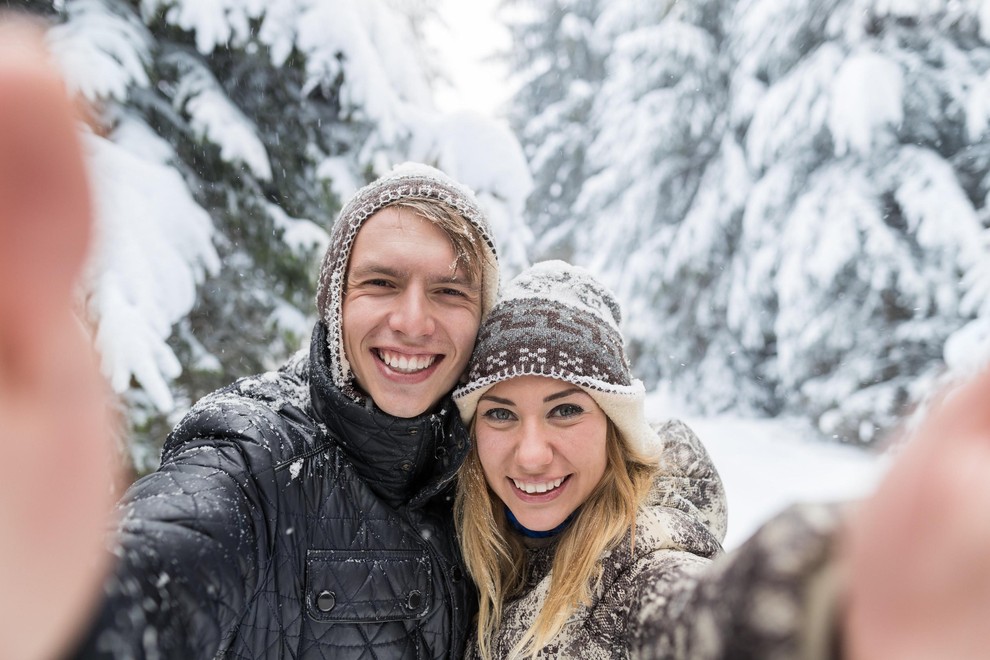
point(303, 513)
point(306, 512)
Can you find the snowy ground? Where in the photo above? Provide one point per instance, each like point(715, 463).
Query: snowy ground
point(768, 464)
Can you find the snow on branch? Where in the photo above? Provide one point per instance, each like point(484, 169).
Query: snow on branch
point(865, 98)
point(154, 246)
point(215, 118)
point(794, 110)
point(214, 22)
point(101, 53)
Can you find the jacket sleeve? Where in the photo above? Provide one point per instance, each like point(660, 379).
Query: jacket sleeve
point(773, 598)
point(187, 553)
point(688, 479)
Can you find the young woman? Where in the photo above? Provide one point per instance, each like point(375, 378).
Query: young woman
point(570, 504)
point(591, 535)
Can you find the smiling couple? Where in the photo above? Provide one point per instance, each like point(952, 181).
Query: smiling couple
point(346, 505)
point(308, 512)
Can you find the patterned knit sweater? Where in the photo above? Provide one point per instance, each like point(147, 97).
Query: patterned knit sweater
point(680, 527)
point(675, 595)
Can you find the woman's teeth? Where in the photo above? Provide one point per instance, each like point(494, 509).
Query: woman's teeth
point(533, 489)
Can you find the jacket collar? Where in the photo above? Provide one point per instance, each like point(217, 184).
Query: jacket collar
point(404, 461)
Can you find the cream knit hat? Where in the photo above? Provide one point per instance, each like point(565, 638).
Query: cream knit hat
point(557, 320)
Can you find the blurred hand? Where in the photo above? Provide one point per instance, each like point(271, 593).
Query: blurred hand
point(56, 472)
point(918, 553)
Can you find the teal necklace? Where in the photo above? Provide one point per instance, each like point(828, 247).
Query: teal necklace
point(533, 534)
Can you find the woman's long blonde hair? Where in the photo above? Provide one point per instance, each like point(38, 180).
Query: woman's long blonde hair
point(496, 557)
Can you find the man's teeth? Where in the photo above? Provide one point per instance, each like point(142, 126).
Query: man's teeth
point(405, 363)
point(533, 489)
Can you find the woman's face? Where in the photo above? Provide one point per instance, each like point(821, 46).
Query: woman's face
point(542, 447)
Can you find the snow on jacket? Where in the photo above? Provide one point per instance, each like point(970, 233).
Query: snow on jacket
point(678, 529)
point(288, 521)
point(774, 598)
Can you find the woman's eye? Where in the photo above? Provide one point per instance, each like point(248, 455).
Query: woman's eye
point(498, 415)
point(567, 410)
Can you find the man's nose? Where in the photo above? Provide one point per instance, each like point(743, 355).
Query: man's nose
point(412, 314)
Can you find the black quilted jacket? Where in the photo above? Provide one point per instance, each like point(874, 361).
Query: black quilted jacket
point(287, 521)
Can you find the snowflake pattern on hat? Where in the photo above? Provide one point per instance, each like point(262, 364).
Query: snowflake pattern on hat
point(556, 320)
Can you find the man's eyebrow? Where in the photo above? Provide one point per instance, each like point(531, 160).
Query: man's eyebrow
point(374, 269)
point(364, 270)
point(458, 279)
point(562, 394)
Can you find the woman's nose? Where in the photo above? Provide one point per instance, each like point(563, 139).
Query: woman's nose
point(534, 451)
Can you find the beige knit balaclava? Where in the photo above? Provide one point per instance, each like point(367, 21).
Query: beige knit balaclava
point(405, 182)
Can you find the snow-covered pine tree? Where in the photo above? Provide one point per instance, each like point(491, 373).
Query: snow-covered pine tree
point(864, 212)
point(968, 348)
point(558, 63)
point(667, 182)
point(787, 195)
point(231, 133)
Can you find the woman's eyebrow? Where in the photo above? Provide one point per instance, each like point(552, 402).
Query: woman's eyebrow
point(496, 399)
point(562, 394)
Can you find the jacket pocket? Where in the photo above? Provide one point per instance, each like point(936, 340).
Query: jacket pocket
point(361, 586)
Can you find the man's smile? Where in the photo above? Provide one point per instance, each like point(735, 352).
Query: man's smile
point(406, 364)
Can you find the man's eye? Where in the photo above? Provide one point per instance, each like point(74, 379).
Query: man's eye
point(498, 415)
point(378, 282)
point(567, 410)
point(452, 292)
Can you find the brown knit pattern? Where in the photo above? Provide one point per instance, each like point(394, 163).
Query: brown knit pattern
point(554, 320)
point(558, 341)
point(558, 321)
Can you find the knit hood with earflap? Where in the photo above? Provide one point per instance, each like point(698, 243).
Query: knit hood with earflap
point(406, 182)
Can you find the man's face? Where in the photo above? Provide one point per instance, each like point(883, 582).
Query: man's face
point(410, 316)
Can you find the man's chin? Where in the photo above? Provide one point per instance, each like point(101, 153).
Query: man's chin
point(410, 399)
point(404, 410)
point(397, 403)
